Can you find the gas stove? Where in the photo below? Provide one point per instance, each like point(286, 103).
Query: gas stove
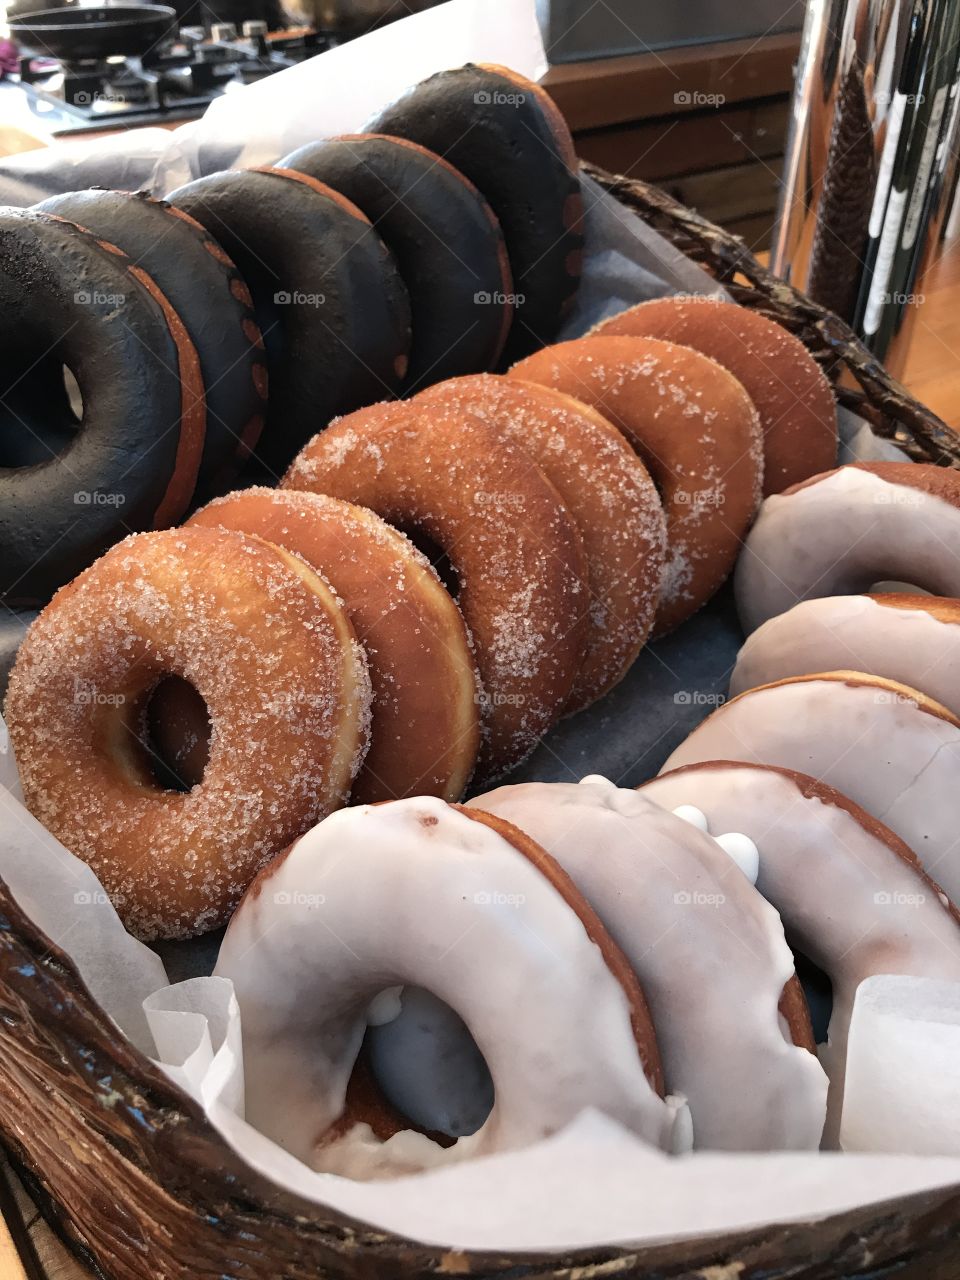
point(175, 82)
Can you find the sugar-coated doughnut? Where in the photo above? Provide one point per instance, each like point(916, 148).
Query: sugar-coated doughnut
point(333, 311)
point(462, 904)
point(890, 749)
point(507, 135)
point(792, 396)
point(848, 530)
point(208, 293)
point(611, 497)
point(513, 545)
point(911, 638)
point(852, 895)
point(446, 240)
point(698, 433)
point(425, 725)
point(703, 944)
point(69, 490)
point(267, 646)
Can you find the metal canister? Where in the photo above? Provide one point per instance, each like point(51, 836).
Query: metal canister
point(870, 159)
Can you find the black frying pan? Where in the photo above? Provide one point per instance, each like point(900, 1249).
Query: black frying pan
point(78, 33)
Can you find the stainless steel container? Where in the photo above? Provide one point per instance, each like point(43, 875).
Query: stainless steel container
point(869, 165)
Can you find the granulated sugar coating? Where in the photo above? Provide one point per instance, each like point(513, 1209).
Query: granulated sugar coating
point(610, 496)
point(424, 732)
point(509, 537)
point(794, 400)
point(696, 429)
point(266, 644)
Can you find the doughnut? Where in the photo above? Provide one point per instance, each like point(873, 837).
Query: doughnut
point(852, 896)
point(424, 728)
point(848, 530)
point(507, 136)
point(703, 943)
point(470, 908)
point(511, 542)
point(890, 749)
point(611, 497)
point(698, 433)
point(69, 300)
point(267, 646)
point(333, 311)
point(446, 240)
point(208, 293)
point(793, 398)
point(913, 639)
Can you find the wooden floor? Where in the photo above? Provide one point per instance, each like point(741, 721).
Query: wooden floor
point(932, 369)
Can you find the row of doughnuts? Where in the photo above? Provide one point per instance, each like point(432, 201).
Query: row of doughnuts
point(641, 963)
point(230, 320)
point(563, 561)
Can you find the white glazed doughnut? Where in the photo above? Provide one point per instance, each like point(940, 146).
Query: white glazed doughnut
point(847, 530)
point(709, 952)
point(913, 639)
point(418, 892)
point(890, 749)
point(852, 896)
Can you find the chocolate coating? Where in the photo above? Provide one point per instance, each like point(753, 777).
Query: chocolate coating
point(327, 295)
point(208, 293)
point(445, 238)
point(507, 136)
point(66, 300)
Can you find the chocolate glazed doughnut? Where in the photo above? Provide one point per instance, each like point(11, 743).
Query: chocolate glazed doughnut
point(207, 291)
point(445, 237)
point(332, 308)
point(506, 134)
point(70, 300)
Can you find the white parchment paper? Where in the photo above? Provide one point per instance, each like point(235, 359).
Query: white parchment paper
point(594, 1183)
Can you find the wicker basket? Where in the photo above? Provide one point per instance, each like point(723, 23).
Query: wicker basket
point(129, 1172)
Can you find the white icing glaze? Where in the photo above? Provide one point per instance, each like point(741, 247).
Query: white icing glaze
point(710, 954)
point(841, 535)
point(855, 633)
point(415, 893)
point(848, 900)
point(897, 760)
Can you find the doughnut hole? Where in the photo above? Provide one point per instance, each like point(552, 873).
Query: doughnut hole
point(445, 569)
point(174, 731)
point(818, 990)
point(41, 409)
point(427, 1065)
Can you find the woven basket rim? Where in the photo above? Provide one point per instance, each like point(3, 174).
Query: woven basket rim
point(159, 1137)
